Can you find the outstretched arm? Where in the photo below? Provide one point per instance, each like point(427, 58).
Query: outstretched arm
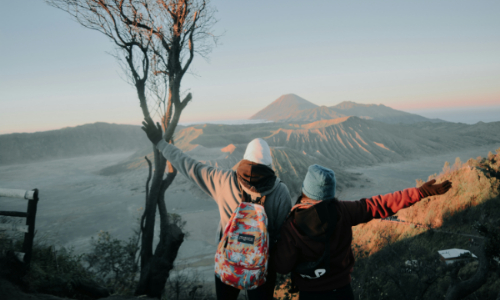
point(383, 206)
point(206, 177)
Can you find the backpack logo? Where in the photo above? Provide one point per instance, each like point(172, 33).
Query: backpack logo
point(243, 252)
point(246, 238)
point(318, 273)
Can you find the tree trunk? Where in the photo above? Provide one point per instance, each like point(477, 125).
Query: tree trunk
point(150, 218)
point(160, 31)
point(163, 260)
point(155, 268)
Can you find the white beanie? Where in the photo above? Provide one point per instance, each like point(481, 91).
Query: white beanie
point(258, 152)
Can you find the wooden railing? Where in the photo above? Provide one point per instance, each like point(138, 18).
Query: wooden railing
point(30, 215)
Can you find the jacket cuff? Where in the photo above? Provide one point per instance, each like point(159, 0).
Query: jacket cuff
point(162, 145)
point(420, 193)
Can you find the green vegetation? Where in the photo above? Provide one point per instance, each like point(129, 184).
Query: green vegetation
point(52, 271)
point(110, 268)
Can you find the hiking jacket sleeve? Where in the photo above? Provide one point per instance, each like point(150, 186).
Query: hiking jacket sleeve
point(283, 207)
point(381, 206)
point(208, 178)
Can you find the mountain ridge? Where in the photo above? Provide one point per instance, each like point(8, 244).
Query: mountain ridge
point(292, 108)
point(312, 115)
point(282, 107)
point(88, 139)
point(380, 112)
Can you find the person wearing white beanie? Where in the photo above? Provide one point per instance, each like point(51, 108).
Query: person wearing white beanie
point(258, 152)
point(253, 179)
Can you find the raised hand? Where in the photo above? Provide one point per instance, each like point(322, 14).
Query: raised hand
point(154, 133)
point(430, 188)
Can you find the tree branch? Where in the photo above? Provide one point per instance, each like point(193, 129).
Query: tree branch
point(191, 44)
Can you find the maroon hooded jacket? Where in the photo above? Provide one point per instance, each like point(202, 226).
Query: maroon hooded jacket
point(295, 247)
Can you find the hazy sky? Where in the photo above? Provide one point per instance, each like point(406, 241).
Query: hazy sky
point(429, 57)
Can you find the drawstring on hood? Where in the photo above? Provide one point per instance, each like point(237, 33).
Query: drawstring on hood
point(254, 177)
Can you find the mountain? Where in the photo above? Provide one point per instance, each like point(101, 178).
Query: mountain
point(342, 142)
point(291, 167)
point(379, 112)
point(313, 114)
point(294, 109)
point(352, 141)
point(88, 139)
point(283, 107)
point(337, 143)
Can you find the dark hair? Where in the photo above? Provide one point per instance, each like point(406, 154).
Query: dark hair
point(299, 198)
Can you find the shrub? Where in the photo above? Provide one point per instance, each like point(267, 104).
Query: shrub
point(114, 262)
point(110, 267)
point(184, 285)
point(472, 185)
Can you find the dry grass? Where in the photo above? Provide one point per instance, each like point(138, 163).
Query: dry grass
point(474, 182)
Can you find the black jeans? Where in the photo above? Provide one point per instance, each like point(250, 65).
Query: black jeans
point(265, 291)
point(343, 293)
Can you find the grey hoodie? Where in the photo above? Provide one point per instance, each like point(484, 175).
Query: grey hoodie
point(222, 186)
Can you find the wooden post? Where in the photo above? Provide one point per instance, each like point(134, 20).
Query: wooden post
point(30, 222)
point(30, 215)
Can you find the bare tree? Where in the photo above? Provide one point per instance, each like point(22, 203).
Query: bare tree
point(155, 41)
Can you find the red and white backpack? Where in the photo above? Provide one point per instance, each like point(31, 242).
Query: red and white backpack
point(243, 252)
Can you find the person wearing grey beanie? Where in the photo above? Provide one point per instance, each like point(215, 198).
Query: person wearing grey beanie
point(319, 183)
point(315, 243)
point(254, 178)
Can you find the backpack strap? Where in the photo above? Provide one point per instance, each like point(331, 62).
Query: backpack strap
point(246, 198)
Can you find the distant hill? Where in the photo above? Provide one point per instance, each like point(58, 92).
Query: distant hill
point(294, 109)
point(89, 139)
point(353, 141)
point(291, 167)
point(379, 112)
point(346, 141)
point(336, 143)
point(312, 115)
point(283, 107)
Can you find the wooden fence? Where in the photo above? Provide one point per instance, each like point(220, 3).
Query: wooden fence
point(30, 215)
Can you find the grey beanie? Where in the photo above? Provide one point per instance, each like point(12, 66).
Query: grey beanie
point(319, 183)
